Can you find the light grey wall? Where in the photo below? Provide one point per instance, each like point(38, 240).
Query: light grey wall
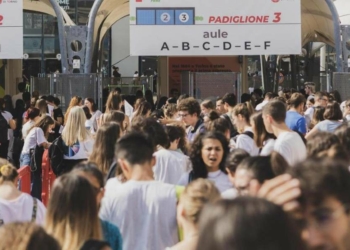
point(121, 48)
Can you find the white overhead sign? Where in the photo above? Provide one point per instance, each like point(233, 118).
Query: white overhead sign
point(11, 29)
point(215, 27)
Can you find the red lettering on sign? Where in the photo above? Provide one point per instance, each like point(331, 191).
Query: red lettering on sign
point(1, 18)
point(240, 19)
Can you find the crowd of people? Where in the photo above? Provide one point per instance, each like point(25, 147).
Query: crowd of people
point(269, 172)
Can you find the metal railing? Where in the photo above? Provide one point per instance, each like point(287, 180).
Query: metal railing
point(65, 86)
point(204, 85)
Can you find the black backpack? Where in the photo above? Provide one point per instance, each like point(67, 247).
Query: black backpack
point(56, 156)
point(248, 133)
point(3, 129)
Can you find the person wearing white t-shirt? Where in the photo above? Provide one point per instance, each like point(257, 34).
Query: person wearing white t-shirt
point(33, 116)
point(263, 139)
point(37, 136)
point(143, 209)
point(320, 101)
point(208, 156)
point(288, 143)
point(171, 163)
point(232, 162)
point(129, 110)
point(16, 206)
point(77, 141)
point(268, 97)
point(95, 114)
point(241, 119)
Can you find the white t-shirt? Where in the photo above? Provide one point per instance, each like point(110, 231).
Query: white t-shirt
point(93, 120)
point(309, 114)
point(247, 143)
point(21, 210)
point(145, 213)
point(219, 178)
point(7, 115)
point(111, 184)
point(268, 147)
point(261, 105)
point(35, 137)
point(170, 166)
point(80, 150)
point(128, 108)
point(291, 147)
point(50, 108)
point(26, 128)
point(230, 194)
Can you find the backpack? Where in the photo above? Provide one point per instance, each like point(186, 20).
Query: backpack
point(56, 156)
point(233, 131)
point(3, 129)
point(248, 133)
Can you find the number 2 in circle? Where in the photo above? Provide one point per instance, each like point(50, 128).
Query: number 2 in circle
point(165, 17)
point(277, 17)
point(184, 17)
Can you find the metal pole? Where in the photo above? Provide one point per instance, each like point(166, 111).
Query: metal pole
point(337, 35)
point(61, 35)
point(90, 36)
point(263, 65)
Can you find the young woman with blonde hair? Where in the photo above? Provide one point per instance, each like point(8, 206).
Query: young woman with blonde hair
point(77, 141)
point(195, 196)
point(24, 236)
point(72, 212)
point(15, 205)
point(75, 101)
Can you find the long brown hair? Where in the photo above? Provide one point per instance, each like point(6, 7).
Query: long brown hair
point(44, 122)
point(77, 220)
point(260, 133)
point(104, 147)
point(114, 101)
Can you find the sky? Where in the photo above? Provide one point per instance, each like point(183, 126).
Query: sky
point(343, 7)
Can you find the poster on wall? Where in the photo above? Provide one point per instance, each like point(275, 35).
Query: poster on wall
point(220, 27)
point(11, 29)
point(177, 65)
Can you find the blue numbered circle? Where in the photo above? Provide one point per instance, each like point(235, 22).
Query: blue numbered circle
point(165, 17)
point(184, 17)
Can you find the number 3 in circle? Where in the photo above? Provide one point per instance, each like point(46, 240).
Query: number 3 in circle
point(184, 17)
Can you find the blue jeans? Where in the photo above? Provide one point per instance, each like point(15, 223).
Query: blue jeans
point(24, 160)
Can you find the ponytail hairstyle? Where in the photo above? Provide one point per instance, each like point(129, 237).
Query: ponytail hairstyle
point(195, 196)
point(243, 110)
point(170, 110)
point(213, 115)
point(7, 172)
point(219, 125)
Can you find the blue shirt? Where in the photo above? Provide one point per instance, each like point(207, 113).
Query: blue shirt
point(296, 122)
point(112, 235)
